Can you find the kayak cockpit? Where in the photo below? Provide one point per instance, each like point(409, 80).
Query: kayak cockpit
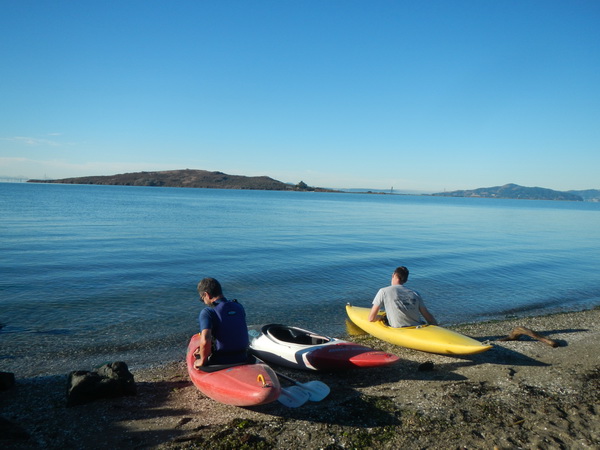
point(294, 335)
point(217, 367)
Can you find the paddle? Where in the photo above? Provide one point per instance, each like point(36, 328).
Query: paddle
point(293, 397)
point(297, 395)
point(316, 390)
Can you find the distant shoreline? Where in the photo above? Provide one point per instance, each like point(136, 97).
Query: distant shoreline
point(189, 178)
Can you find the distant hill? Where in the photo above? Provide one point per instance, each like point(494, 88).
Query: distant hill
point(187, 178)
point(588, 195)
point(514, 191)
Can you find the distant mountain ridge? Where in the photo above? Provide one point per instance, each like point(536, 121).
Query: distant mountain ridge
point(589, 195)
point(187, 178)
point(514, 191)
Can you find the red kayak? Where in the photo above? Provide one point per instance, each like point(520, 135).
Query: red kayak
point(238, 385)
point(303, 349)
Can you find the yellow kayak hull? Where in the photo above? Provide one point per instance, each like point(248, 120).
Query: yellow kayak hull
point(426, 338)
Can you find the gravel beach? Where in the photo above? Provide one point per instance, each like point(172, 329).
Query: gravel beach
point(520, 394)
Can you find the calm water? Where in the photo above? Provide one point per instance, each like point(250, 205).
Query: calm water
point(90, 274)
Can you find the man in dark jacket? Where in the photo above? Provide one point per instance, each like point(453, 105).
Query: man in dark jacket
point(223, 329)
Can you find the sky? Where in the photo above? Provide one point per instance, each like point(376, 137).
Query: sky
point(414, 95)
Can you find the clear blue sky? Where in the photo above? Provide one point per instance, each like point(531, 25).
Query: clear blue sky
point(419, 95)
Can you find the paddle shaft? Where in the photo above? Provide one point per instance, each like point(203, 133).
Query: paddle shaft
point(287, 378)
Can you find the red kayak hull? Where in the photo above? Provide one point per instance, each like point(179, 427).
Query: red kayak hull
point(243, 385)
point(348, 355)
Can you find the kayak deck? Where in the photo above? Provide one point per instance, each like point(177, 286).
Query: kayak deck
point(302, 349)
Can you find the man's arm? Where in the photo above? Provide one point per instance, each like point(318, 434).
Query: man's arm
point(427, 315)
point(373, 315)
point(205, 347)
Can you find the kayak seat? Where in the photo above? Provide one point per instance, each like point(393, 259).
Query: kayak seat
point(318, 340)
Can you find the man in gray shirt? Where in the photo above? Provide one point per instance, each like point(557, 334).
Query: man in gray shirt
point(403, 306)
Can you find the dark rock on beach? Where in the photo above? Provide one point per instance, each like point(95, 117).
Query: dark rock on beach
point(109, 381)
point(7, 380)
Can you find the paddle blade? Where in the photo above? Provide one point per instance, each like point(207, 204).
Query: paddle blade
point(317, 390)
point(293, 397)
point(354, 330)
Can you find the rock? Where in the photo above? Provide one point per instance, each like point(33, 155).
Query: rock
point(120, 372)
point(10, 431)
point(7, 380)
point(109, 381)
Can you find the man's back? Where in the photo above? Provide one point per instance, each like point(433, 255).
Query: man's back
point(401, 304)
point(229, 331)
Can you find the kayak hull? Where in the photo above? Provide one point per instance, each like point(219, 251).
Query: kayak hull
point(238, 385)
point(426, 338)
point(302, 349)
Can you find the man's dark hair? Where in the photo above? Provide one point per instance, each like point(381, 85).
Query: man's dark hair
point(402, 273)
point(210, 286)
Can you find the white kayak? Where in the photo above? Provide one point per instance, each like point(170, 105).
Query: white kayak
point(302, 349)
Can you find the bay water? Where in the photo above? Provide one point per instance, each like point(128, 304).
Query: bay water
point(90, 274)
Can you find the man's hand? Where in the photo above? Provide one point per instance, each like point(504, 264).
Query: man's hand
point(205, 348)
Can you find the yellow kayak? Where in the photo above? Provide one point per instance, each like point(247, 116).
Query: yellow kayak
point(426, 338)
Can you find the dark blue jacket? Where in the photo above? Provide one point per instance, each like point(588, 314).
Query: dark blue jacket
point(227, 321)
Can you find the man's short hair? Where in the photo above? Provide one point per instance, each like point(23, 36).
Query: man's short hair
point(211, 286)
point(402, 273)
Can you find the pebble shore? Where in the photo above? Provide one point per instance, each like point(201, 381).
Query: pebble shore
point(520, 394)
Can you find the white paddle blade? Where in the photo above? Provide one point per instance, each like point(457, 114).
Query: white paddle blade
point(293, 397)
point(317, 390)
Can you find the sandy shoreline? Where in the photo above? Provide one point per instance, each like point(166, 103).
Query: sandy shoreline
point(519, 394)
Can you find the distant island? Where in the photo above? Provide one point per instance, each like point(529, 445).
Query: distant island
point(514, 191)
point(188, 178)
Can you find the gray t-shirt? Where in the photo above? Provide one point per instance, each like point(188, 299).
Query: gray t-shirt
point(401, 305)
